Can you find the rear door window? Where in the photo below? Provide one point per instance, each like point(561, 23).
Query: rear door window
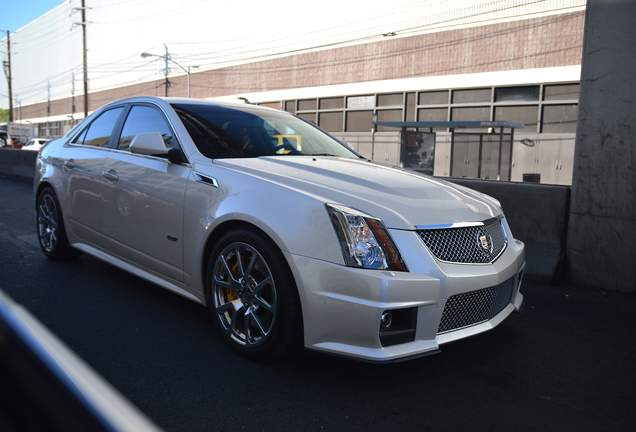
point(98, 133)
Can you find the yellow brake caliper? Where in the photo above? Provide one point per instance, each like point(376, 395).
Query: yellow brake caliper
point(230, 293)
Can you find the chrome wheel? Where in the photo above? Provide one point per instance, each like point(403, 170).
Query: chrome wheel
point(47, 223)
point(244, 295)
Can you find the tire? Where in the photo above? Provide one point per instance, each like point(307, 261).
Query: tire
point(252, 296)
point(50, 225)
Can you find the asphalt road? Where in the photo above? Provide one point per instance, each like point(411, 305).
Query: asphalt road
point(565, 364)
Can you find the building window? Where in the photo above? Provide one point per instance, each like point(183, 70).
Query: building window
point(330, 121)
point(389, 116)
point(359, 121)
point(471, 114)
point(387, 100)
point(559, 118)
point(332, 103)
point(526, 115)
point(309, 117)
point(410, 106)
point(361, 102)
point(432, 114)
point(290, 106)
point(517, 94)
point(307, 104)
point(434, 98)
point(561, 92)
point(471, 96)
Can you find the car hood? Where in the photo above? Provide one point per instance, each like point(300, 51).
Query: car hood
point(402, 199)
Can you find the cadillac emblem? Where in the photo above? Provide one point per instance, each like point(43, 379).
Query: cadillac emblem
point(486, 242)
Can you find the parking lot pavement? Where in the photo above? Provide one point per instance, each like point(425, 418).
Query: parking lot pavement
point(565, 364)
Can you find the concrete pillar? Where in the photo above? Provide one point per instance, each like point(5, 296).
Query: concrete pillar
point(601, 246)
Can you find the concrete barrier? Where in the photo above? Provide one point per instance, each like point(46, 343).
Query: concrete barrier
point(538, 216)
point(17, 163)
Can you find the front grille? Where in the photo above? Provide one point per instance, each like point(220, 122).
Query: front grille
point(481, 243)
point(463, 310)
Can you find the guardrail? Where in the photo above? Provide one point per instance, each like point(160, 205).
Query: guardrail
point(17, 163)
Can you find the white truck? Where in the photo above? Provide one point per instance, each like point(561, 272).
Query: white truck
point(15, 134)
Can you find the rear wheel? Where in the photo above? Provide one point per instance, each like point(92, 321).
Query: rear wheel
point(252, 296)
point(51, 232)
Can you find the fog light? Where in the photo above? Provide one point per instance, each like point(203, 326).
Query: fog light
point(397, 326)
point(386, 320)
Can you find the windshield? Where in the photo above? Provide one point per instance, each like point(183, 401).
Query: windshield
point(222, 132)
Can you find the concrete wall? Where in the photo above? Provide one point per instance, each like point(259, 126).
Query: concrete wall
point(538, 216)
point(601, 247)
point(17, 163)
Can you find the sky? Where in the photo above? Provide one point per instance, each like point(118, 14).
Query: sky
point(18, 13)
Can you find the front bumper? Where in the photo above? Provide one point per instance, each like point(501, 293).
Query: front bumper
point(343, 306)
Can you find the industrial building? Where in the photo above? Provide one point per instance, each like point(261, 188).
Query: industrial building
point(342, 65)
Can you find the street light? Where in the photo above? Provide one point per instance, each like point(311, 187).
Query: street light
point(165, 57)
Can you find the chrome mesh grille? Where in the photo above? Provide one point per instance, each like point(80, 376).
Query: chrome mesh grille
point(464, 244)
point(463, 310)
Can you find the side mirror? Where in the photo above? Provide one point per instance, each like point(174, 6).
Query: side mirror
point(149, 143)
point(176, 156)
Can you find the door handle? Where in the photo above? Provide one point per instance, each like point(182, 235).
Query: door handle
point(110, 175)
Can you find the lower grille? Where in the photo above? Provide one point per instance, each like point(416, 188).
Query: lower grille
point(464, 310)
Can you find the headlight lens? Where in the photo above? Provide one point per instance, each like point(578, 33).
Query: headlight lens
point(365, 241)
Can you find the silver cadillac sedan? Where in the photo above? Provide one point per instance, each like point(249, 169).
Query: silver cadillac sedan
point(288, 236)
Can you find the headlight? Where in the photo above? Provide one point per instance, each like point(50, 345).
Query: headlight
point(364, 240)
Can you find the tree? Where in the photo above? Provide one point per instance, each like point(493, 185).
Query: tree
point(4, 115)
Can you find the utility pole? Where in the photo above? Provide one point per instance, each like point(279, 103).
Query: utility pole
point(7, 72)
point(73, 96)
point(167, 70)
point(84, 59)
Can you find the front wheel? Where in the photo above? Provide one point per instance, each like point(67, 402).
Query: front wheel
point(51, 232)
point(252, 296)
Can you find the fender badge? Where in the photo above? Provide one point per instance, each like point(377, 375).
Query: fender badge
point(173, 239)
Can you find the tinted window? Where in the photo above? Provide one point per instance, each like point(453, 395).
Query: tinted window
point(220, 132)
point(98, 132)
point(144, 119)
